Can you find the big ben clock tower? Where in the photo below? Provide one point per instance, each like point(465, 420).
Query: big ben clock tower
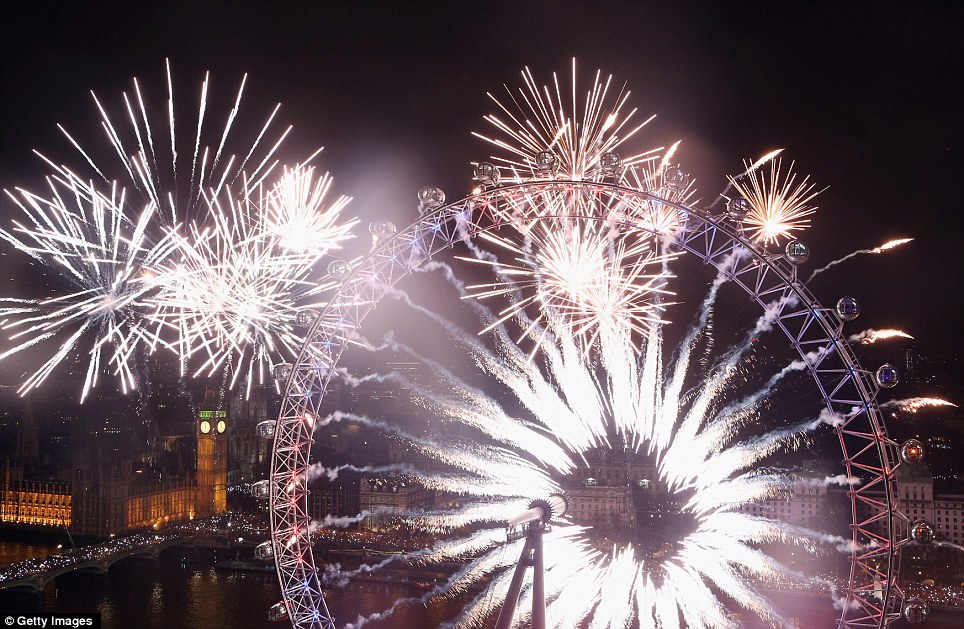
point(212, 456)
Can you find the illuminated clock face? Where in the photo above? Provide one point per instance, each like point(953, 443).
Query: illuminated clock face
point(221, 425)
point(205, 426)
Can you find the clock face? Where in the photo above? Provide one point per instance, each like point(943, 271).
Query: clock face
point(205, 426)
point(221, 425)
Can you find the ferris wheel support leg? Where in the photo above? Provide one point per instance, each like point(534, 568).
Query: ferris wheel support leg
point(538, 584)
point(531, 553)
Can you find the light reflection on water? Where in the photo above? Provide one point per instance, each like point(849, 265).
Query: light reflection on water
point(162, 595)
point(12, 552)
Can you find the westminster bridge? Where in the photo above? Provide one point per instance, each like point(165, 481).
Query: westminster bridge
point(33, 575)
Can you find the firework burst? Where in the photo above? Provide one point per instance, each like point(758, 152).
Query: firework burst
point(214, 267)
point(579, 410)
point(234, 291)
point(297, 216)
point(582, 275)
point(779, 206)
point(172, 171)
point(549, 131)
point(573, 256)
point(106, 255)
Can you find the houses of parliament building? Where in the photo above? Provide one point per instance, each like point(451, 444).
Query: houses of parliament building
point(107, 490)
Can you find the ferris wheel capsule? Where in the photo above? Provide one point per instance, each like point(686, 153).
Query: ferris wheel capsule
point(887, 376)
point(546, 162)
point(282, 371)
point(382, 228)
point(797, 252)
point(305, 318)
point(674, 178)
point(737, 208)
point(486, 174)
point(338, 269)
point(610, 162)
point(278, 612)
point(915, 610)
point(261, 490)
point(264, 550)
point(429, 198)
point(912, 451)
point(922, 532)
point(266, 429)
point(847, 308)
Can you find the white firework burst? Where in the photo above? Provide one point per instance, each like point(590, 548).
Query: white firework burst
point(581, 274)
point(174, 171)
point(234, 291)
point(106, 255)
point(577, 407)
point(574, 257)
point(549, 131)
point(297, 216)
point(779, 206)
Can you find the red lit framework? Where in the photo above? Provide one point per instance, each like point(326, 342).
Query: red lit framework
point(872, 597)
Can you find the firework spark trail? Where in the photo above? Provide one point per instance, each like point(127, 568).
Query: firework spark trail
point(490, 469)
point(915, 404)
point(870, 336)
point(882, 248)
point(752, 168)
point(471, 513)
point(337, 521)
point(843, 545)
point(839, 479)
point(367, 568)
point(318, 470)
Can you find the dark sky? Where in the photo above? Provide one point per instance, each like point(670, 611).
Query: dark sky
point(866, 97)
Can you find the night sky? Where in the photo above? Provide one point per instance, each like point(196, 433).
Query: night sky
point(866, 97)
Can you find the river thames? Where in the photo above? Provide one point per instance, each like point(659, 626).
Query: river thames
point(184, 590)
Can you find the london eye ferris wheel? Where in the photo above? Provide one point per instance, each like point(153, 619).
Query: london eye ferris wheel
point(581, 239)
